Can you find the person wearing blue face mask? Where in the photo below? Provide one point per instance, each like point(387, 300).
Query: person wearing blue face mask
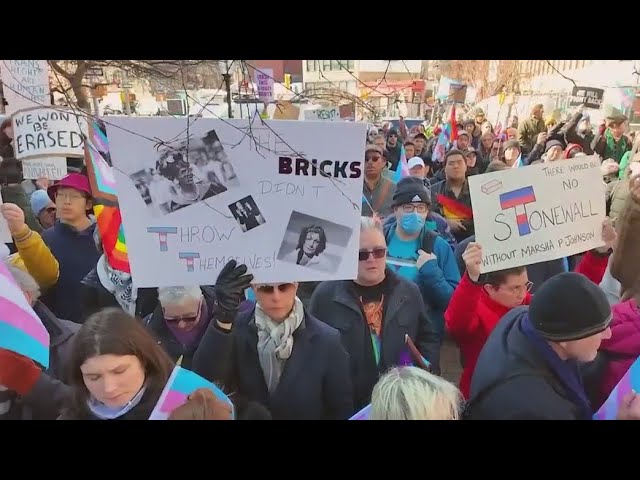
point(419, 254)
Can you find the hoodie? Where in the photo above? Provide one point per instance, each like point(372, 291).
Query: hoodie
point(623, 348)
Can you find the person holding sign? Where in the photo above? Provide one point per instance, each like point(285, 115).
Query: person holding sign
point(478, 304)
point(374, 313)
point(529, 367)
point(117, 370)
point(279, 355)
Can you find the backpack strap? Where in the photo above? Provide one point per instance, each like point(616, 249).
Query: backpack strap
point(428, 240)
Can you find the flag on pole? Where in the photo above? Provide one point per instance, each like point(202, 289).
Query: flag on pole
point(630, 381)
point(402, 169)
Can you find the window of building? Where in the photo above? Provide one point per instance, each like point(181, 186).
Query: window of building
point(326, 64)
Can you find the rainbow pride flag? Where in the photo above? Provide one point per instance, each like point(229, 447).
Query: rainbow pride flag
point(106, 207)
point(180, 385)
point(452, 208)
point(21, 331)
point(630, 381)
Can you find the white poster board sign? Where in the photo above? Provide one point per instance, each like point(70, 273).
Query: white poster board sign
point(52, 168)
point(25, 84)
point(242, 192)
point(48, 132)
point(5, 235)
point(331, 114)
point(264, 83)
point(538, 213)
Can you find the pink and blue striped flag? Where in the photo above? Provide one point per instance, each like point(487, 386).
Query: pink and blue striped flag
point(180, 385)
point(362, 414)
point(21, 331)
point(402, 169)
point(630, 381)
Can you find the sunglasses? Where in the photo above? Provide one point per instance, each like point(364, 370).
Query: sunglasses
point(187, 319)
point(376, 252)
point(269, 289)
point(371, 159)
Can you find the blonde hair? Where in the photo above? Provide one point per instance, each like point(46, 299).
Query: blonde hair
point(371, 223)
point(410, 393)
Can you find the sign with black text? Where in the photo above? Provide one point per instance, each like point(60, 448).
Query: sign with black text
point(25, 84)
point(51, 168)
point(46, 132)
point(587, 96)
point(538, 213)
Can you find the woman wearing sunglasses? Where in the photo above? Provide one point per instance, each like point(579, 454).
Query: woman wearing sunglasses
point(280, 356)
point(374, 313)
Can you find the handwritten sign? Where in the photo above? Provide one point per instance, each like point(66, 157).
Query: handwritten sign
point(587, 96)
point(25, 84)
point(264, 83)
point(331, 114)
point(538, 213)
point(48, 132)
point(282, 198)
point(21, 330)
point(53, 168)
point(5, 235)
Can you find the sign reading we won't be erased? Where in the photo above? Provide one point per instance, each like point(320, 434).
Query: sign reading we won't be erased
point(538, 213)
point(281, 197)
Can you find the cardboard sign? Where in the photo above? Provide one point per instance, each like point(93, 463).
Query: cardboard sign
point(5, 235)
point(538, 213)
point(25, 84)
point(47, 132)
point(242, 191)
point(286, 111)
point(264, 83)
point(53, 168)
point(331, 114)
point(587, 96)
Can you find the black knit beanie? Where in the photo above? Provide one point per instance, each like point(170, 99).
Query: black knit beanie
point(569, 307)
point(409, 190)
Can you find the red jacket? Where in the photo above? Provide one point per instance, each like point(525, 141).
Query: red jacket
point(472, 315)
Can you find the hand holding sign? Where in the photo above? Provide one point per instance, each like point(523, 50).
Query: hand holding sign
point(230, 286)
point(472, 257)
point(609, 236)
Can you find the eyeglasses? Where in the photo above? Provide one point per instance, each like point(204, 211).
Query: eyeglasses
point(376, 252)
point(519, 288)
point(189, 318)
point(269, 289)
point(410, 207)
point(69, 196)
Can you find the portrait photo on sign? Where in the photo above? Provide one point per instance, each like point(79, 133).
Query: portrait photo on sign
point(313, 242)
point(185, 174)
point(247, 213)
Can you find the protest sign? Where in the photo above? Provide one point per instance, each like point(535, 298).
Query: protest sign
point(281, 197)
point(21, 330)
point(53, 168)
point(587, 96)
point(331, 114)
point(538, 213)
point(630, 381)
point(48, 132)
point(180, 385)
point(25, 84)
point(286, 111)
point(264, 83)
point(5, 235)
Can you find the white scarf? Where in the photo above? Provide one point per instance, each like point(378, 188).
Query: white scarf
point(118, 284)
point(275, 342)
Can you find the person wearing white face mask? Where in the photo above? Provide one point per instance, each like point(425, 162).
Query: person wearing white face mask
point(280, 356)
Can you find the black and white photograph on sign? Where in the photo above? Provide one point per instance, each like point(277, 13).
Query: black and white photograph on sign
point(182, 178)
point(313, 242)
point(247, 213)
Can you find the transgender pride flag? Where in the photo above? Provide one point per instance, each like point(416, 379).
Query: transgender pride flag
point(402, 169)
point(21, 331)
point(180, 385)
point(630, 381)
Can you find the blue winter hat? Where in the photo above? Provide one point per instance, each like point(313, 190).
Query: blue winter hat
point(39, 201)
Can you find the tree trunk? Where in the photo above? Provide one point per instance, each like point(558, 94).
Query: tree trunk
point(80, 93)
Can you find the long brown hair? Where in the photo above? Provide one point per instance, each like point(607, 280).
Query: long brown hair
point(202, 404)
point(114, 332)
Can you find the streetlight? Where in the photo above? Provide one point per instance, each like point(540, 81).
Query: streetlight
point(223, 65)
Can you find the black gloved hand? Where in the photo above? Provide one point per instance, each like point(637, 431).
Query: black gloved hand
point(230, 286)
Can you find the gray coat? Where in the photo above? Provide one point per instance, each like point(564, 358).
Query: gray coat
point(46, 399)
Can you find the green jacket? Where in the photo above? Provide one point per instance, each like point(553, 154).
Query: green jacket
point(528, 132)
